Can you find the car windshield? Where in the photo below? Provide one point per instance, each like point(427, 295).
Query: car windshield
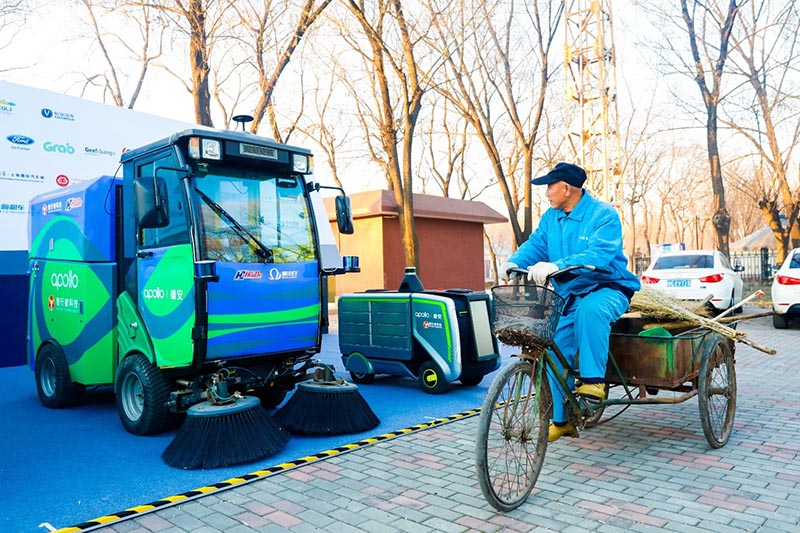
point(252, 218)
point(669, 262)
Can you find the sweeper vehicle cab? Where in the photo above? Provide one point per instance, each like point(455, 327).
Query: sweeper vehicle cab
point(433, 336)
point(197, 276)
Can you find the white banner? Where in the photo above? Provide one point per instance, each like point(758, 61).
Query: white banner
point(50, 140)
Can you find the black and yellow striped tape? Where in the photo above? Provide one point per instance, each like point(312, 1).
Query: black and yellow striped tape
point(259, 474)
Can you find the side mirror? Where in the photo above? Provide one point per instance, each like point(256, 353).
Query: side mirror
point(344, 216)
point(150, 194)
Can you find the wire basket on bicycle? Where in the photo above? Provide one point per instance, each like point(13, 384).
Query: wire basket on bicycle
point(525, 316)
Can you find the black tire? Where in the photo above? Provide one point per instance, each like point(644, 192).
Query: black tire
point(53, 382)
point(362, 378)
point(512, 434)
point(269, 397)
point(780, 321)
point(471, 381)
point(716, 391)
point(142, 395)
point(431, 378)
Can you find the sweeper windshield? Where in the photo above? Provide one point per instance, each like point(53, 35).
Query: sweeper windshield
point(251, 217)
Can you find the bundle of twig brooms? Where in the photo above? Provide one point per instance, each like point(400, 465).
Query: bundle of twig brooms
point(655, 304)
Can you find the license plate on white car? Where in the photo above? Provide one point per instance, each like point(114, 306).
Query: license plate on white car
point(679, 283)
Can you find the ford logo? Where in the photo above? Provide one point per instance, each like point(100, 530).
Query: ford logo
point(19, 139)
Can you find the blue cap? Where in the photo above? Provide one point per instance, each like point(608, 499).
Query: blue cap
point(566, 172)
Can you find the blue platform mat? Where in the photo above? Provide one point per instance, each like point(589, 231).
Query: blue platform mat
point(64, 467)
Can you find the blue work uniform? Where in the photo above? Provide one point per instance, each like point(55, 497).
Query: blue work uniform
point(591, 234)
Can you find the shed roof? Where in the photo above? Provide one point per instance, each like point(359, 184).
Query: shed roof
point(763, 238)
point(381, 203)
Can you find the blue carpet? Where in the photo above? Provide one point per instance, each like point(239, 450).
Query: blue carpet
point(64, 467)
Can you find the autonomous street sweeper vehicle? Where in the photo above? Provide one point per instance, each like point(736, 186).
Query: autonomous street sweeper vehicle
point(196, 276)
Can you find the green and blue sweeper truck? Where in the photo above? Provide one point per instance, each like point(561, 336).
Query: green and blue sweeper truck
point(199, 273)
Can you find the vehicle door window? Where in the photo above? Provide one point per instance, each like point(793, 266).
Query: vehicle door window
point(177, 232)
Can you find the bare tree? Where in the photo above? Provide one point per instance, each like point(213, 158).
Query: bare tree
point(388, 51)
point(117, 48)
point(765, 57)
point(711, 57)
point(492, 54)
point(270, 41)
point(12, 17)
point(708, 25)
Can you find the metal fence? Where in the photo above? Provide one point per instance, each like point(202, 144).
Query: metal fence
point(758, 264)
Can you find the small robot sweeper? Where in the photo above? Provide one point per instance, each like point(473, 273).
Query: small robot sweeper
point(436, 337)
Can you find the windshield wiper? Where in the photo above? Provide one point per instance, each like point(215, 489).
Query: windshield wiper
point(261, 249)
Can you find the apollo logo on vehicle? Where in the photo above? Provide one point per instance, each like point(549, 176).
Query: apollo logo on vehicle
point(247, 274)
point(156, 293)
point(64, 280)
point(66, 149)
point(62, 180)
point(275, 274)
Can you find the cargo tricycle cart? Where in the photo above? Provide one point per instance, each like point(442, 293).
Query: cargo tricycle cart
point(643, 361)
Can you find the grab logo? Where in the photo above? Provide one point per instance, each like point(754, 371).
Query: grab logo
point(154, 294)
point(65, 280)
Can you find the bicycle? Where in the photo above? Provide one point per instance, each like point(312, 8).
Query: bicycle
point(515, 415)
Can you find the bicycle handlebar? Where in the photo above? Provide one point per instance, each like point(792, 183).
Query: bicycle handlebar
point(520, 272)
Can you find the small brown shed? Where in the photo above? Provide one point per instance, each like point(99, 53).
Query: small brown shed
point(449, 231)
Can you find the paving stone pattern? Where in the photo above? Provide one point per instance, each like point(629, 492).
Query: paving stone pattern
point(649, 469)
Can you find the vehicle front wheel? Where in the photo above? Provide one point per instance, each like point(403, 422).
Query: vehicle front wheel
point(270, 397)
point(142, 395)
point(431, 378)
point(53, 383)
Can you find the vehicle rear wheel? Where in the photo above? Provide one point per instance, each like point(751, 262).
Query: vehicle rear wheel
point(471, 381)
point(717, 392)
point(431, 378)
point(362, 378)
point(53, 382)
point(780, 321)
point(142, 395)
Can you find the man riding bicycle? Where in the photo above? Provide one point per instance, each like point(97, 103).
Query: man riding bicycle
point(578, 230)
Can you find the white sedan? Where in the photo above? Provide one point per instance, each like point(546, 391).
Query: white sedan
point(694, 275)
point(786, 290)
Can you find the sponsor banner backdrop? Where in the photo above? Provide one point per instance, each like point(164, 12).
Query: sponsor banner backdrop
point(50, 140)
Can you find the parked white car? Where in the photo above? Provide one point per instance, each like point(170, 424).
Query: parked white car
point(786, 290)
point(693, 275)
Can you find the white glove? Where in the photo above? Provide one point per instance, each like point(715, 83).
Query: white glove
point(538, 273)
point(504, 268)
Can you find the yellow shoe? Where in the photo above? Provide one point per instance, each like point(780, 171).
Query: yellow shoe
point(597, 391)
point(556, 432)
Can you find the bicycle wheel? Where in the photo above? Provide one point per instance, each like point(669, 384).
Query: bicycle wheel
point(512, 434)
point(716, 392)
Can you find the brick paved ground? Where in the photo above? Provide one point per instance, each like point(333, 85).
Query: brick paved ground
point(650, 469)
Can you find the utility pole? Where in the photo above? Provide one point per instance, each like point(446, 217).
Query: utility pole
point(591, 96)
